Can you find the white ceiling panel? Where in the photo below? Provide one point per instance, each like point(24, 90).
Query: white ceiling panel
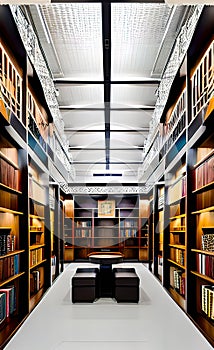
point(133, 95)
point(133, 119)
point(87, 120)
point(80, 95)
point(89, 139)
point(137, 31)
point(76, 32)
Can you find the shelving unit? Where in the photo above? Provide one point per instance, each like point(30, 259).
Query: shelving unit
point(12, 246)
point(202, 251)
point(125, 231)
point(69, 238)
point(39, 234)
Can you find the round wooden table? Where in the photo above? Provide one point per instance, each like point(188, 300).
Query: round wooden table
point(105, 260)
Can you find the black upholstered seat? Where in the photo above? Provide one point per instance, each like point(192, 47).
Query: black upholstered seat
point(126, 285)
point(85, 285)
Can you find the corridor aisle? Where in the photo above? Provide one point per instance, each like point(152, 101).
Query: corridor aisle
point(156, 323)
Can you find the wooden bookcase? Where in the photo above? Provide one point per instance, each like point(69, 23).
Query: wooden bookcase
point(158, 229)
point(37, 119)
point(176, 238)
point(202, 251)
point(11, 85)
point(87, 230)
point(144, 243)
point(39, 233)
point(12, 243)
point(69, 237)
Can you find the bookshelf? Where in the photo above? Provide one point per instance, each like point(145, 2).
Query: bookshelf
point(158, 228)
point(37, 119)
point(202, 82)
point(10, 84)
point(69, 233)
point(39, 234)
point(144, 243)
point(176, 234)
point(13, 300)
point(202, 250)
point(125, 229)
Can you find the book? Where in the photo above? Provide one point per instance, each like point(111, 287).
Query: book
point(2, 307)
point(10, 299)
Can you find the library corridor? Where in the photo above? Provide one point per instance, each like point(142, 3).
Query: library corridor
point(106, 175)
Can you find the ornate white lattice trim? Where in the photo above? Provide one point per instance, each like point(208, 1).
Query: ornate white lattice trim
point(181, 46)
point(105, 189)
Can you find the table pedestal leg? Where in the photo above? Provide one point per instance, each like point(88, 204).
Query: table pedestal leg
point(106, 281)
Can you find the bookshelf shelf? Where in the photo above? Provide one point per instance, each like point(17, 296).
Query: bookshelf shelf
point(38, 264)
point(9, 161)
point(10, 189)
point(179, 246)
point(177, 264)
point(205, 252)
point(37, 217)
point(14, 252)
point(203, 277)
point(12, 278)
point(203, 188)
point(205, 210)
point(6, 210)
point(36, 246)
point(177, 217)
point(178, 231)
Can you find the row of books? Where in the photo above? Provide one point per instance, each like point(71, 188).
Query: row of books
point(35, 282)
point(128, 232)
point(205, 264)
point(36, 256)
point(177, 191)
point(207, 300)
point(8, 200)
point(36, 209)
point(83, 232)
point(129, 223)
point(177, 255)
point(7, 302)
point(9, 266)
point(177, 280)
point(36, 191)
point(7, 243)
point(205, 199)
point(204, 174)
point(8, 174)
point(177, 112)
point(83, 223)
point(207, 241)
point(169, 141)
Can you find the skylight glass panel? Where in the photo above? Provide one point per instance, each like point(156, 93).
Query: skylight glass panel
point(133, 95)
point(136, 31)
point(76, 32)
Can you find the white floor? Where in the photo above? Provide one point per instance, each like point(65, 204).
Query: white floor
point(156, 323)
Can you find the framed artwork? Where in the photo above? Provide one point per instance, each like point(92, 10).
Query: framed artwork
point(106, 209)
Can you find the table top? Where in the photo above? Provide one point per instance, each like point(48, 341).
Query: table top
point(105, 259)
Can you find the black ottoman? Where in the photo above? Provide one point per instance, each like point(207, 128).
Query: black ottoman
point(85, 285)
point(126, 285)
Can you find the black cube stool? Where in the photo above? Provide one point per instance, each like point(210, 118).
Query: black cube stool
point(85, 285)
point(126, 285)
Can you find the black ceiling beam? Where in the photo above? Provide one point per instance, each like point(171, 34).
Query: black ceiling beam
point(106, 38)
point(70, 148)
point(113, 163)
point(123, 109)
point(103, 1)
point(98, 82)
point(101, 131)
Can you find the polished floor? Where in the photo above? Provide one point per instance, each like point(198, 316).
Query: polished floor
point(156, 323)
